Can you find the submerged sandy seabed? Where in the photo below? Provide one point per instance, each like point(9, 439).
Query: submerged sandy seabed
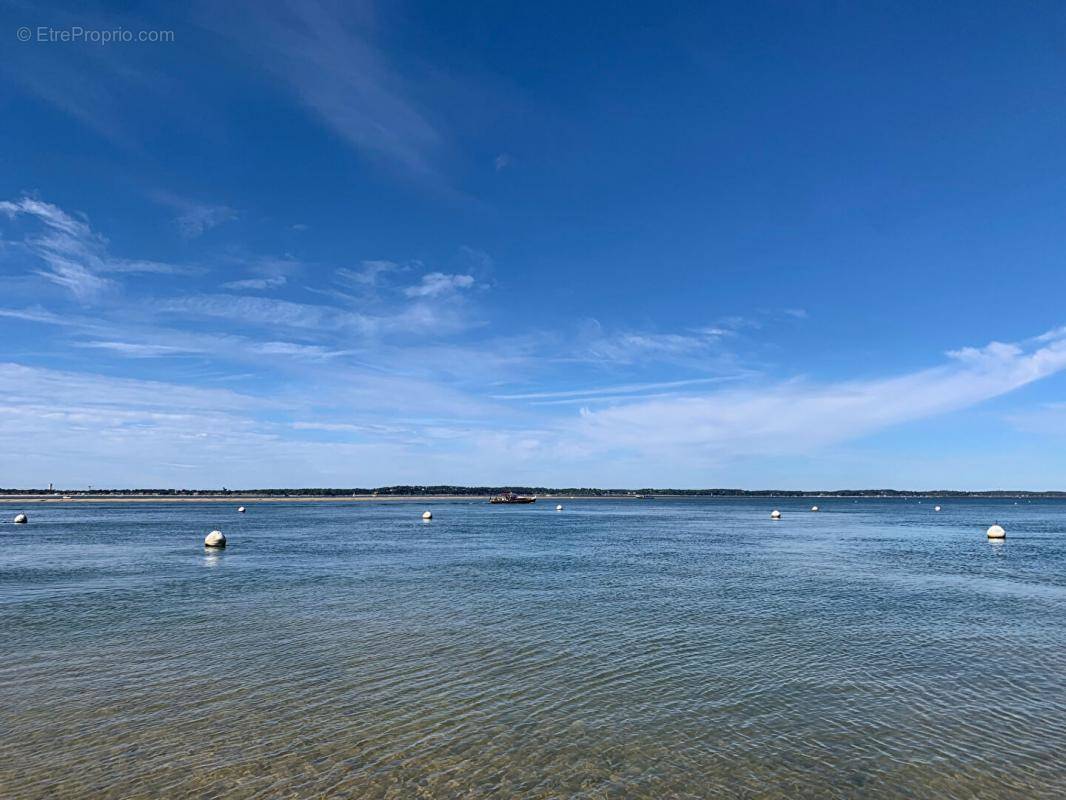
point(690, 649)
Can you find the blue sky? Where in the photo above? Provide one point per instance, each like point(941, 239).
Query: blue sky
point(755, 245)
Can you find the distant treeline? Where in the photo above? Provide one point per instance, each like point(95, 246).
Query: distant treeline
point(480, 491)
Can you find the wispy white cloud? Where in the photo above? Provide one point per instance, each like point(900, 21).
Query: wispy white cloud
point(72, 255)
point(133, 339)
point(614, 391)
point(89, 428)
point(38, 385)
point(350, 427)
point(295, 349)
point(69, 253)
point(274, 282)
point(89, 84)
point(267, 272)
point(194, 219)
point(699, 347)
point(266, 312)
point(92, 429)
point(36, 314)
point(399, 428)
point(323, 53)
point(434, 284)
point(122, 265)
point(797, 416)
point(369, 274)
point(626, 345)
point(270, 313)
point(197, 220)
point(375, 278)
point(385, 374)
point(136, 349)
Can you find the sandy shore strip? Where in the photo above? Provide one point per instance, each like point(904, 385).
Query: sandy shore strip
point(241, 499)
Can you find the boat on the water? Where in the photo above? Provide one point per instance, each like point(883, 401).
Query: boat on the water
point(511, 498)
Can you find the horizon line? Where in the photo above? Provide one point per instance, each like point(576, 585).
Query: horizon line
point(452, 489)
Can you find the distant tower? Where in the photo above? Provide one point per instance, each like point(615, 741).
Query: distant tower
point(50, 487)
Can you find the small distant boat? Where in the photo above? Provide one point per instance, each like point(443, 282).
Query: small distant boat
point(510, 498)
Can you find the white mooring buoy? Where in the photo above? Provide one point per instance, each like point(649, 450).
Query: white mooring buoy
point(997, 532)
point(215, 539)
point(427, 515)
point(814, 508)
point(21, 519)
point(775, 514)
point(559, 507)
point(240, 510)
point(936, 508)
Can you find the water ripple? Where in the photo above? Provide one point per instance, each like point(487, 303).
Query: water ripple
point(667, 649)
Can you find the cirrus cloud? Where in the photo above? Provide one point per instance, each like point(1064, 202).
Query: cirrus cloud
point(798, 416)
point(437, 283)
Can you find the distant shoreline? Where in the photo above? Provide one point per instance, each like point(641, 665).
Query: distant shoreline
point(243, 499)
point(230, 498)
point(103, 496)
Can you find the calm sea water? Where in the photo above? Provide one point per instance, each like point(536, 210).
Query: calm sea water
point(653, 649)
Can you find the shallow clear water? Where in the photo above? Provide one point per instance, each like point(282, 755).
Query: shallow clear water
point(678, 648)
